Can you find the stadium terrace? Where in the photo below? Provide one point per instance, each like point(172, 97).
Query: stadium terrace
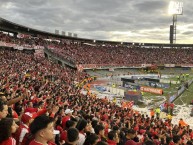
point(47, 85)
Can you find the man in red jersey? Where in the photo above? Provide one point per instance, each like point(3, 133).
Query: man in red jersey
point(130, 135)
point(68, 113)
point(23, 129)
point(43, 130)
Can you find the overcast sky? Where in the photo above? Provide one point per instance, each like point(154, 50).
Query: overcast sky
point(117, 20)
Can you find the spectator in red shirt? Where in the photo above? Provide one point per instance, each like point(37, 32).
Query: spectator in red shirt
point(130, 134)
point(30, 108)
point(69, 124)
point(43, 130)
point(23, 129)
point(7, 127)
point(68, 113)
point(113, 138)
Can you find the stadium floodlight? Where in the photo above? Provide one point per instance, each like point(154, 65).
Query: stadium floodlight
point(175, 8)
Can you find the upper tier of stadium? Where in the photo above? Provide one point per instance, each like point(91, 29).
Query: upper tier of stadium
point(15, 28)
point(81, 51)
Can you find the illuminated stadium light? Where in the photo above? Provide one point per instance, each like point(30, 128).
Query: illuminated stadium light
point(175, 8)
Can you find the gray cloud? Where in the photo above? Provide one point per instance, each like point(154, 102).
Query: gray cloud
point(151, 7)
point(123, 20)
point(188, 33)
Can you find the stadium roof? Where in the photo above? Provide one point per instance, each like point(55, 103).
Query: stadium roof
point(11, 27)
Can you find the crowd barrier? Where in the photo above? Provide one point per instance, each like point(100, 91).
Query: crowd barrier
point(180, 91)
point(131, 86)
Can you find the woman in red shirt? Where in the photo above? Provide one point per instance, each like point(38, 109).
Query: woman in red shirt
point(7, 127)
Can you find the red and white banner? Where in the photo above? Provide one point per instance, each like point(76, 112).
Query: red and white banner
point(169, 65)
point(152, 90)
point(39, 47)
point(146, 65)
point(20, 35)
point(186, 65)
point(127, 104)
point(21, 47)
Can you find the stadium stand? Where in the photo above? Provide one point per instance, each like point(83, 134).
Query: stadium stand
point(84, 54)
point(108, 54)
point(43, 97)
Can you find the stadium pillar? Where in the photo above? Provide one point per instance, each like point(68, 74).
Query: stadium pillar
point(173, 30)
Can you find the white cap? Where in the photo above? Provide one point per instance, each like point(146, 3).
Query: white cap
point(67, 111)
point(56, 132)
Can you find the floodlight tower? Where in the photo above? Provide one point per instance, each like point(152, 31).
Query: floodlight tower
point(175, 8)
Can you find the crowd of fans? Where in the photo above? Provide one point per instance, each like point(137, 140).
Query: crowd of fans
point(86, 54)
point(41, 104)
point(80, 53)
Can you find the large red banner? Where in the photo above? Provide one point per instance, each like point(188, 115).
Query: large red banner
point(152, 90)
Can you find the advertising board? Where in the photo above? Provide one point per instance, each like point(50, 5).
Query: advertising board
point(152, 90)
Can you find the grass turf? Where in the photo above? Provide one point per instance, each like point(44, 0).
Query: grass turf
point(185, 98)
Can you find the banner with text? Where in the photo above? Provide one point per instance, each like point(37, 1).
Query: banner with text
point(152, 90)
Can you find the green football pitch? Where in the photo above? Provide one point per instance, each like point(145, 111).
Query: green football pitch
point(185, 98)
